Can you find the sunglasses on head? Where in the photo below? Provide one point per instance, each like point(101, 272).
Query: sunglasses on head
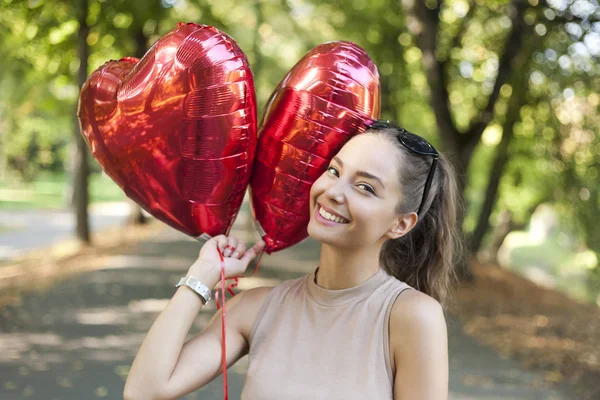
point(417, 145)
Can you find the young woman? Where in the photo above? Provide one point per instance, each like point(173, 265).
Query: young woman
point(368, 323)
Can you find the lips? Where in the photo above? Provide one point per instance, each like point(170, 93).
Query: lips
point(330, 211)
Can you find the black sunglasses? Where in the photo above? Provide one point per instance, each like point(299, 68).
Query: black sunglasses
point(415, 144)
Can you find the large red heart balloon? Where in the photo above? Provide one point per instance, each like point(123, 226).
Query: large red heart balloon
point(327, 98)
point(176, 130)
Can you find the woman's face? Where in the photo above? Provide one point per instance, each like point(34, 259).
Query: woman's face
point(361, 185)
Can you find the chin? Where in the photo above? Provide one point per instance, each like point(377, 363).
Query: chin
point(315, 232)
point(310, 229)
point(312, 232)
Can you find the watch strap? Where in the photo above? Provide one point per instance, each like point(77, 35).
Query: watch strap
point(201, 289)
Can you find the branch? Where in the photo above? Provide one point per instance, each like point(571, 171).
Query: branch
point(424, 24)
point(512, 47)
point(520, 81)
point(497, 170)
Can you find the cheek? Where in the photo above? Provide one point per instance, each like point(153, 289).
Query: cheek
point(317, 188)
point(372, 218)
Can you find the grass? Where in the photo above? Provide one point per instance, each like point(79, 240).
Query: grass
point(49, 190)
point(4, 228)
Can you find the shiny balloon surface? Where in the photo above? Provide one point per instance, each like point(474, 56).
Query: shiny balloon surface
point(176, 130)
point(328, 97)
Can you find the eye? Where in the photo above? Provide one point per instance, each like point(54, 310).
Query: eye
point(368, 188)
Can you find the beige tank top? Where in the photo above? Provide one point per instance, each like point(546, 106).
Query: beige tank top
point(312, 343)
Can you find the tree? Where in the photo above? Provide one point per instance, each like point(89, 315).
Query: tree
point(520, 85)
point(80, 157)
point(451, 42)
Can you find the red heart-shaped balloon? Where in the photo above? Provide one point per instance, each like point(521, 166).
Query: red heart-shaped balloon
point(176, 130)
point(327, 98)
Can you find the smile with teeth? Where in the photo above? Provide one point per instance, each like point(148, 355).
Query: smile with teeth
point(332, 217)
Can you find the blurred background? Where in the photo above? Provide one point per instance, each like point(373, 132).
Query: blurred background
point(509, 89)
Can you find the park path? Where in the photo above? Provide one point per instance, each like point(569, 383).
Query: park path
point(76, 339)
point(26, 230)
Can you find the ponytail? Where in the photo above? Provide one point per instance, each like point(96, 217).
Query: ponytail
point(426, 257)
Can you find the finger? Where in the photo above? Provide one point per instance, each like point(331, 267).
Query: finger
point(239, 250)
point(231, 245)
point(253, 251)
point(220, 241)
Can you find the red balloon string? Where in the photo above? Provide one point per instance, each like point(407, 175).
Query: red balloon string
point(220, 302)
point(223, 326)
point(257, 262)
point(235, 282)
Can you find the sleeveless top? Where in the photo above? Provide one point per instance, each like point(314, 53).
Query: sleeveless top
point(308, 342)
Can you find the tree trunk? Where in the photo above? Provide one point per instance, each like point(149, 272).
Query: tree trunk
point(491, 193)
point(463, 267)
point(80, 158)
point(520, 86)
point(503, 227)
point(136, 214)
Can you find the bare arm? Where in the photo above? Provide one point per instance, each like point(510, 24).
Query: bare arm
point(165, 367)
point(200, 360)
point(419, 347)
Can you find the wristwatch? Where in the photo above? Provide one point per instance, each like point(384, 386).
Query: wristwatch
point(197, 286)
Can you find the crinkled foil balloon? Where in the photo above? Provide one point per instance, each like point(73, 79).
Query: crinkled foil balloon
point(325, 99)
point(176, 130)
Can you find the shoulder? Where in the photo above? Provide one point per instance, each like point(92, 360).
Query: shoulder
point(418, 308)
point(255, 296)
point(419, 347)
point(242, 310)
point(245, 307)
point(250, 302)
point(416, 319)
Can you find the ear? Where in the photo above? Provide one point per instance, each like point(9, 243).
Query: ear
point(402, 225)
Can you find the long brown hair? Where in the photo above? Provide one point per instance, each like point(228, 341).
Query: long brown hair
point(426, 257)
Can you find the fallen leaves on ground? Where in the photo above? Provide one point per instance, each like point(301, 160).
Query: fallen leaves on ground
point(542, 328)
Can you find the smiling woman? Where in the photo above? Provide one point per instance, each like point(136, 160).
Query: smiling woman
point(387, 179)
point(385, 213)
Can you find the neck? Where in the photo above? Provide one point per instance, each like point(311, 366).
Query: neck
point(343, 268)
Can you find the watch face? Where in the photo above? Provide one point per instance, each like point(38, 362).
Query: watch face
point(202, 290)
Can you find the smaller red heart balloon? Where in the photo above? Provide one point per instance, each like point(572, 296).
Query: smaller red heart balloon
point(325, 99)
point(176, 130)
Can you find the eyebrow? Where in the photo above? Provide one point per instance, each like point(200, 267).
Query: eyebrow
point(361, 173)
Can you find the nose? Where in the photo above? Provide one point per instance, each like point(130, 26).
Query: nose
point(335, 192)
